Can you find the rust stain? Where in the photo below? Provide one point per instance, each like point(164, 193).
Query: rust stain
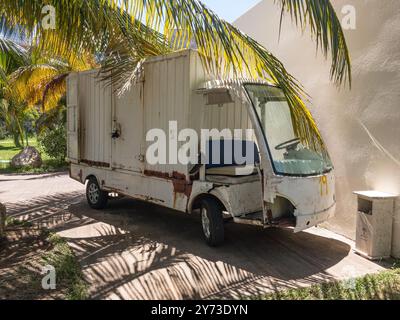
point(179, 181)
point(96, 163)
point(269, 215)
point(285, 223)
point(147, 198)
point(183, 187)
point(157, 174)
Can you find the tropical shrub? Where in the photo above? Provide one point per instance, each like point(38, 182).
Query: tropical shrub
point(54, 142)
point(3, 131)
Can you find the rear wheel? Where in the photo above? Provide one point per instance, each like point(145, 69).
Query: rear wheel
point(96, 198)
point(212, 222)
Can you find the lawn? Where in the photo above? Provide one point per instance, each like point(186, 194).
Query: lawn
point(8, 150)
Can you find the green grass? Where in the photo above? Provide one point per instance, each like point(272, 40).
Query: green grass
point(47, 167)
point(68, 271)
point(8, 150)
point(382, 286)
point(13, 222)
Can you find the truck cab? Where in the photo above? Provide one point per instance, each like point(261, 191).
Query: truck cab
point(285, 181)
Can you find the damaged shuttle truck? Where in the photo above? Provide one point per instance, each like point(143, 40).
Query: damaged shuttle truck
point(278, 179)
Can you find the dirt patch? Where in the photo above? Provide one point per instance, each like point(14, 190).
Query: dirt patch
point(21, 263)
point(24, 253)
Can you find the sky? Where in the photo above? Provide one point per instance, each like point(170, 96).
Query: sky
point(230, 10)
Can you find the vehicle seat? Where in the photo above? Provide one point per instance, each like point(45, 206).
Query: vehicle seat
point(225, 164)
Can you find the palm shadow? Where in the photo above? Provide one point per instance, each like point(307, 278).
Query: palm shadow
point(135, 250)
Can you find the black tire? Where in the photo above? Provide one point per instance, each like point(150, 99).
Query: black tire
point(212, 222)
point(96, 198)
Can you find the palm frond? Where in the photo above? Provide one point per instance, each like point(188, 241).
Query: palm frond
point(128, 31)
point(29, 83)
point(11, 51)
point(26, 84)
point(11, 55)
point(53, 91)
point(224, 50)
point(127, 48)
point(11, 48)
point(325, 27)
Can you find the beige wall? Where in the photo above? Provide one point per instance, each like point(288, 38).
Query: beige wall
point(363, 160)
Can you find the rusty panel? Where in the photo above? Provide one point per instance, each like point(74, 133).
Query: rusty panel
point(95, 111)
point(72, 118)
point(128, 115)
point(166, 98)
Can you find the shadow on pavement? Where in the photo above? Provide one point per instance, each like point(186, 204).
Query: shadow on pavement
point(135, 250)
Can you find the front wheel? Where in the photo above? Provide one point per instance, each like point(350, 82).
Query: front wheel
point(212, 222)
point(96, 198)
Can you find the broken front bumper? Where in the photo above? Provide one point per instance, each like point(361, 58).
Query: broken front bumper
point(304, 222)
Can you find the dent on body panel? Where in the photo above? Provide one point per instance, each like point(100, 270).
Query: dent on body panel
point(198, 188)
point(244, 198)
point(222, 194)
point(309, 195)
point(271, 188)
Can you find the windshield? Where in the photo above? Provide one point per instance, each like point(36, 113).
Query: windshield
point(289, 155)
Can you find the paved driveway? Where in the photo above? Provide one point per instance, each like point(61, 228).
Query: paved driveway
point(133, 250)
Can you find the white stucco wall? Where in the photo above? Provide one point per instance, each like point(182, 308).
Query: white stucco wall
point(363, 160)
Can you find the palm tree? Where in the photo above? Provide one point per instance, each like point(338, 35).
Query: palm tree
point(40, 79)
point(121, 33)
point(11, 56)
point(28, 79)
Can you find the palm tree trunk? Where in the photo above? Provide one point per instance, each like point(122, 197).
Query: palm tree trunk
point(19, 127)
point(17, 142)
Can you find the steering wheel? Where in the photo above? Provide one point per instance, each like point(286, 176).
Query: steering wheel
point(289, 145)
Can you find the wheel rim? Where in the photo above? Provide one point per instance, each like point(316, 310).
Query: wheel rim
point(94, 193)
point(205, 222)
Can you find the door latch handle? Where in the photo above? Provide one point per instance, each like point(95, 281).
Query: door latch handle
point(115, 134)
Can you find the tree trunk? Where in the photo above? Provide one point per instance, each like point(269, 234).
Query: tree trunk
point(19, 128)
point(17, 142)
point(2, 221)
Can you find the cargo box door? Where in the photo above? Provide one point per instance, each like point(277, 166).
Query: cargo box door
point(127, 130)
point(72, 118)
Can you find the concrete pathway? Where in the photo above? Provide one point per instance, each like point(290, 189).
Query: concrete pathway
point(133, 250)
